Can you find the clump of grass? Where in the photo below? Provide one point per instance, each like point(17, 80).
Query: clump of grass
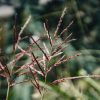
point(39, 65)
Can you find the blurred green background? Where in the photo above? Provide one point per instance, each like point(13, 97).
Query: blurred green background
point(86, 28)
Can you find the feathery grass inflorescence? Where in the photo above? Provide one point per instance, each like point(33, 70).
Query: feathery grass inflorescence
point(39, 65)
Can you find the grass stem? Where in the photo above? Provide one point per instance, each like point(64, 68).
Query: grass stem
point(7, 96)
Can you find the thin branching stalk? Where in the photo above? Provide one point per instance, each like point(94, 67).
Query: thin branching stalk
point(60, 22)
point(48, 34)
point(66, 29)
point(8, 89)
point(38, 63)
point(21, 31)
point(44, 90)
point(40, 48)
point(17, 83)
point(75, 77)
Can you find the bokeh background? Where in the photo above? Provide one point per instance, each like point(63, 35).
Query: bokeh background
point(86, 28)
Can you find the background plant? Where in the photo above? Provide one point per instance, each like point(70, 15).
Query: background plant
point(85, 30)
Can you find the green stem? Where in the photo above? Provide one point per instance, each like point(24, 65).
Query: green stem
point(8, 89)
point(42, 97)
